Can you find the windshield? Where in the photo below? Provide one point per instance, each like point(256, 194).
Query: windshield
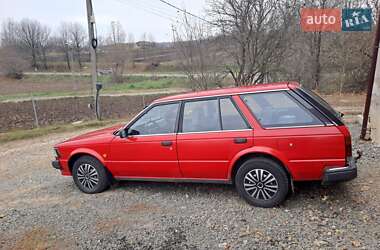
point(322, 102)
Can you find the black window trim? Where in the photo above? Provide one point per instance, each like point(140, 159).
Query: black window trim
point(285, 126)
point(197, 99)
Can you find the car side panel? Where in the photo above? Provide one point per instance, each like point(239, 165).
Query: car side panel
point(308, 150)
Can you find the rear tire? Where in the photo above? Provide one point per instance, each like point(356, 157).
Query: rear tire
point(262, 182)
point(90, 175)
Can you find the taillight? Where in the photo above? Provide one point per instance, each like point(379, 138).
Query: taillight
point(347, 142)
point(347, 139)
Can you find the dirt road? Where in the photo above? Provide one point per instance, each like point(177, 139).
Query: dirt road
point(39, 209)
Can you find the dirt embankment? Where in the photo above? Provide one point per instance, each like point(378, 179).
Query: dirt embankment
point(65, 110)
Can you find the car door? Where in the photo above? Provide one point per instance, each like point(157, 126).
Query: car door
point(208, 138)
point(150, 150)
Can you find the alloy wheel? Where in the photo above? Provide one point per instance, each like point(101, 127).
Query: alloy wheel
point(88, 176)
point(260, 184)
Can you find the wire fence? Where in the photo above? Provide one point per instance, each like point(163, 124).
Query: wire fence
point(34, 113)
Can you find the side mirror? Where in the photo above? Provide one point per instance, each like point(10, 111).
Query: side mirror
point(123, 133)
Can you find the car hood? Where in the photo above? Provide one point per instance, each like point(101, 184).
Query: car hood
point(104, 135)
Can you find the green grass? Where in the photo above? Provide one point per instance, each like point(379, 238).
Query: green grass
point(160, 83)
point(129, 84)
point(37, 132)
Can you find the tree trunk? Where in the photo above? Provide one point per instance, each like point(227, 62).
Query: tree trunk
point(67, 57)
point(44, 59)
point(79, 59)
point(34, 59)
point(317, 74)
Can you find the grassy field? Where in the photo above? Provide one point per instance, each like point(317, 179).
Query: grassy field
point(66, 85)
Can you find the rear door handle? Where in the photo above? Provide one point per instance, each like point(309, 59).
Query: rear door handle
point(166, 143)
point(240, 140)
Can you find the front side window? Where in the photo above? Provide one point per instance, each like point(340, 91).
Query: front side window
point(279, 109)
point(231, 118)
point(158, 120)
point(201, 116)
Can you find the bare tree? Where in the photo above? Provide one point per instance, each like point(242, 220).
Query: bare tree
point(255, 35)
point(78, 37)
point(44, 43)
point(64, 41)
point(29, 38)
point(314, 42)
point(117, 53)
point(198, 50)
point(9, 33)
point(117, 34)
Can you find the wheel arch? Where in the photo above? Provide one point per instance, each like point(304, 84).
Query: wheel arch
point(75, 155)
point(241, 158)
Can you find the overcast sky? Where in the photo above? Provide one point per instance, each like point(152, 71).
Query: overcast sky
point(136, 16)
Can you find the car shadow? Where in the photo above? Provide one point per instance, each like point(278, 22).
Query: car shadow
point(304, 192)
point(172, 187)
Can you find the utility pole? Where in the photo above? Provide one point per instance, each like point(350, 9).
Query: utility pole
point(374, 111)
point(374, 75)
point(93, 44)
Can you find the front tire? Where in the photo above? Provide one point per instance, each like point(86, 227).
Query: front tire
point(90, 176)
point(262, 182)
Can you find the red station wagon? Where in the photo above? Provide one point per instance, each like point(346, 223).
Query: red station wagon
point(260, 138)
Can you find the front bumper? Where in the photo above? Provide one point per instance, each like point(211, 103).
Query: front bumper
point(339, 174)
point(55, 164)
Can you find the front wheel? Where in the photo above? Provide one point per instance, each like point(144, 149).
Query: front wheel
point(262, 182)
point(90, 176)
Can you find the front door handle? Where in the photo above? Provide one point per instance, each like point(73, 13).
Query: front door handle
point(240, 140)
point(166, 143)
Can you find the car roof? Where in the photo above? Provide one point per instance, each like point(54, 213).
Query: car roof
point(230, 91)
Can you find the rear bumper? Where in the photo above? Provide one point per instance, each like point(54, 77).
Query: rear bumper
point(339, 174)
point(55, 164)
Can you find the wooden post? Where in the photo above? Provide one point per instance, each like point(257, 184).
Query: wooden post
point(93, 44)
point(374, 122)
point(371, 78)
point(35, 112)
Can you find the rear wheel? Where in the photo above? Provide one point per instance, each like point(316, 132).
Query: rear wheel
point(90, 176)
point(262, 182)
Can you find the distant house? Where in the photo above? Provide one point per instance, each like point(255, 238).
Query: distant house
point(145, 44)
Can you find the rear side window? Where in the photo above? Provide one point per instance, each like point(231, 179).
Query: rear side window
point(201, 116)
point(279, 109)
point(231, 118)
point(321, 102)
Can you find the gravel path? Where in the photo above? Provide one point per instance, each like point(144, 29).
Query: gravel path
point(40, 209)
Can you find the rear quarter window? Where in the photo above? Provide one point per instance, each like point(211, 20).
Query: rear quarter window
point(279, 109)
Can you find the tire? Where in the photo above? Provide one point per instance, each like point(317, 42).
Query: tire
point(90, 175)
point(262, 182)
